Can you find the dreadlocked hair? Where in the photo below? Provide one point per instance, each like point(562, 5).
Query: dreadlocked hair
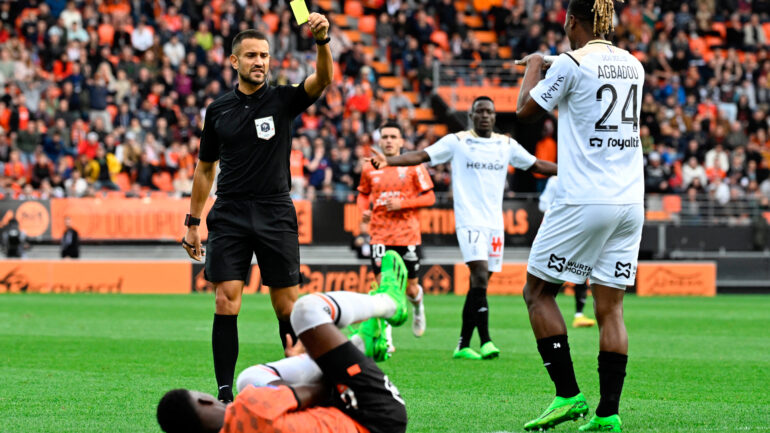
point(604, 10)
point(598, 12)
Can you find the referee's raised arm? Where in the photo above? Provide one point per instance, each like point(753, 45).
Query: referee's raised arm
point(318, 81)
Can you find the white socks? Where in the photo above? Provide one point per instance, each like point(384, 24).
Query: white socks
point(340, 308)
point(295, 370)
point(417, 300)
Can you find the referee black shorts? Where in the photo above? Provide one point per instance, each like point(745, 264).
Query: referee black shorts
point(240, 228)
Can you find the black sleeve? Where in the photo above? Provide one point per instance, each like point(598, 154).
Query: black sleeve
point(209, 147)
point(298, 99)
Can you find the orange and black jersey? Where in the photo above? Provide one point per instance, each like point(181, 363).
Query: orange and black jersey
point(408, 184)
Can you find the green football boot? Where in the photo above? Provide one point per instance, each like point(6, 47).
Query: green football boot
point(466, 353)
point(489, 350)
point(393, 277)
point(372, 333)
point(603, 423)
point(561, 410)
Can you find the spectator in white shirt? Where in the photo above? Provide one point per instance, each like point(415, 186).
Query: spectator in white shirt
point(142, 36)
point(691, 170)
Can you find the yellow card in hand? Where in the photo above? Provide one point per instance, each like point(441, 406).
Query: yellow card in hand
point(301, 14)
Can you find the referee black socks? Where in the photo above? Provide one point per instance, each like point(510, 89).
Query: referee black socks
point(224, 342)
point(557, 360)
point(284, 327)
point(612, 371)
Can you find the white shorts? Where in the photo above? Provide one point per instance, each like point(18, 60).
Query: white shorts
point(597, 242)
point(482, 243)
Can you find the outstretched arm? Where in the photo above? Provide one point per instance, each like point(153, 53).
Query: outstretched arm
point(318, 81)
point(380, 161)
point(543, 167)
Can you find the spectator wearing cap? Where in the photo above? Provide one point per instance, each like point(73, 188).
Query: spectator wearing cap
point(656, 175)
point(89, 146)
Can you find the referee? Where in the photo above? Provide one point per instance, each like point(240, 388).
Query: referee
point(248, 131)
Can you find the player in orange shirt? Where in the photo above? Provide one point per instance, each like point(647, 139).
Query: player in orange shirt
point(354, 395)
point(395, 195)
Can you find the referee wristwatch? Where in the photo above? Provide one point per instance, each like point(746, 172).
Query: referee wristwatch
point(323, 41)
point(190, 220)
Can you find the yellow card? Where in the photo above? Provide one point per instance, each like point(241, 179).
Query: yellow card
point(301, 14)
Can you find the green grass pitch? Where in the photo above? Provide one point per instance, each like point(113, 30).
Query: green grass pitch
point(100, 363)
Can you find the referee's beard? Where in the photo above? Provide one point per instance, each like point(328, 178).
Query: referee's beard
point(254, 82)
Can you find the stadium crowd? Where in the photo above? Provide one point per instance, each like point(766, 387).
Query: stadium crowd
point(108, 96)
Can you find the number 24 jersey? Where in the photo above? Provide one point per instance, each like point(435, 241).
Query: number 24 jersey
point(598, 91)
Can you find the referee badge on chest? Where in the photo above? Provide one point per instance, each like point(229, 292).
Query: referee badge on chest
point(265, 127)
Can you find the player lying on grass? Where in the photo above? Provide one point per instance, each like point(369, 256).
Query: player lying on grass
point(354, 395)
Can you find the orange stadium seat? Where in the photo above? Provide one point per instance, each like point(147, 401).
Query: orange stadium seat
point(163, 181)
point(423, 114)
point(413, 96)
point(461, 5)
point(326, 4)
point(123, 181)
point(113, 110)
point(438, 129)
point(712, 41)
point(719, 27)
point(271, 21)
point(367, 24)
point(505, 52)
point(474, 21)
point(440, 38)
point(485, 5)
point(354, 8)
point(369, 49)
point(766, 28)
point(340, 20)
point(381, 67)
point(697, 45)
point(390, 82)
point(353, 35)
point(672, 203)
point(485, 36)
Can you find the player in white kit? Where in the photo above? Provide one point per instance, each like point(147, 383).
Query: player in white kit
point(480, 160)
point(594, 227)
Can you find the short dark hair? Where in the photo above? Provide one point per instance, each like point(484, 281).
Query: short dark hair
point(246, 34)
point(176, 413)
point(479, 99)
point(392, 124)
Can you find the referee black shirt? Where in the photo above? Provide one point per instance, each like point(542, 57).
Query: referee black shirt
point(250, 135)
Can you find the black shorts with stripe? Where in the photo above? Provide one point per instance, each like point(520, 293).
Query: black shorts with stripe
point(362, 391)
point(410, 253)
